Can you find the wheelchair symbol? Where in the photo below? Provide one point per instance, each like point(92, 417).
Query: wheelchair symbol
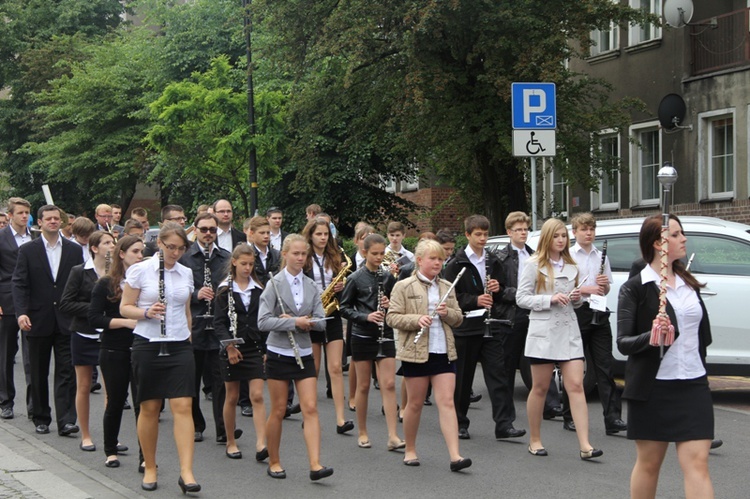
point(533, 146)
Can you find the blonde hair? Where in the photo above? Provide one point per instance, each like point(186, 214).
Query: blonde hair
point(550, 227)
point(427, 247)
point(288, 241)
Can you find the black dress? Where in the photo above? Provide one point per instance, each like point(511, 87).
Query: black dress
point(251, 365)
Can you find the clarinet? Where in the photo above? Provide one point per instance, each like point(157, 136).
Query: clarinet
point(487, 318)
point(598, 318)
point(208, 315)
point(289, 333)
point(230, 306)
point(381, 326)
point(163, 300)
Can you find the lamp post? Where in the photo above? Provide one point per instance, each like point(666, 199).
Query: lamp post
point(247, 25)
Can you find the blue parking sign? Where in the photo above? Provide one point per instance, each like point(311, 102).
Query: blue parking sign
point(534, 106)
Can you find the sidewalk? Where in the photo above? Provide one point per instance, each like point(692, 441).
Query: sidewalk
point(31, 469)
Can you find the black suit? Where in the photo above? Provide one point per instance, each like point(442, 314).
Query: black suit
point(37, 294)
point(9, 324)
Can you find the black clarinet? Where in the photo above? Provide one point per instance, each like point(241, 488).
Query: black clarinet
point(163, 300)
point(599, 318)
point(208, 316)
point(488, 318)
point(381, 326)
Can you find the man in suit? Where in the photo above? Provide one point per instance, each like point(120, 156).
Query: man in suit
point(228, 237)
point(103, 215)
point(12, 237)
point(275, 217)
point(38, 282)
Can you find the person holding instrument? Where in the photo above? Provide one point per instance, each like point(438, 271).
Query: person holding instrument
point(290, 308)
point(237, 317)
point(669, 399)
point(426, 347)
point(550, 288)
point(364, 303)
point(163, 370)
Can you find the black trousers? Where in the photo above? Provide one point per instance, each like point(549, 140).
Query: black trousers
point(40, 354)
point(8, 351)
point(116, 372)
point(472, 349)
point(209, 360)
point(598, 341)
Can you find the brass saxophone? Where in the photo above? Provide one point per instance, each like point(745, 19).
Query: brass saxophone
point(389, 259)
point(328, 297)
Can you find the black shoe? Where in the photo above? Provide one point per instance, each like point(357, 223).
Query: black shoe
point(96, 387)
point(247, 411)
point(151, 486)
point(142, 467)
point(509, 432)
point(323, 472)
point(222, 439)
point(347, 426)
point(329, 394)
point(113, 463)
point(615, 426)
point(345, 368)
point(292, 409)
point(87, 448)
point(198, 436)
point(122, 448)
point(7, 413)
point(552, 413)
point(188, 487)
point(463, 434)
point(427, 401)
point(569, 425)
point(68, 429)
point(473, 399)
point(276, 474)
point(590, 454)
point(126, 407)
point(538, 452)
point(462, 463)
point(42, 429)
point(376, 384)
point(716, 443)
point(261, 455)
point(234, 455)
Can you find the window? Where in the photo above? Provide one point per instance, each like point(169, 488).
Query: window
point(641, 33)
point(608, 196)
point(389, 185)
point(645, 162)
point(559, 188)
point(604, 40)
point(715, 254)
point(721, 156)
point(411, 184)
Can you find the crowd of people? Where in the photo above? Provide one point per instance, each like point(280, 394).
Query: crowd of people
point(158, 313)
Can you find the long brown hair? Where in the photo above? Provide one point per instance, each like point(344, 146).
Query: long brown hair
point(651, 233)
point(117, 268)
point(237, 252)
point(549, 229)
point(331, 253)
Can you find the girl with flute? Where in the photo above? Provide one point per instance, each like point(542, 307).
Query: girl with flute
point(156, 290)
point(237, 317)
point(116, 340)
point(84, 338)
point(364, 302)
point(324, 262)
point(426, 347)
point(669, 399)
point(550, 287)
point(290, 308)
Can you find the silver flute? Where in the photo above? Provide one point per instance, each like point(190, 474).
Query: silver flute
point(442, 300)
point(289, 333)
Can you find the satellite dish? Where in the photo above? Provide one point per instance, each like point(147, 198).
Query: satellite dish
point(671, 112)
point(678, 13)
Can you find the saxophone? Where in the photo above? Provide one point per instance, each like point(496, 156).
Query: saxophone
point(328, 297)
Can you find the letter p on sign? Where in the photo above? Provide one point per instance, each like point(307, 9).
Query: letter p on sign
point(534, 102)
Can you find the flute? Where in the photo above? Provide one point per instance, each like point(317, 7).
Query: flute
point(579, 286)
point(442, 300)
point(290, 334)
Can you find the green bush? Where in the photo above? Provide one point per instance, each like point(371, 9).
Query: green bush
point(410, 243)
point(348, 245)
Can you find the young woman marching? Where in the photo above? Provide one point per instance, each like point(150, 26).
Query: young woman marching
point(290, 308)
point(237, 317)
point(364, 302)
point(324, 262)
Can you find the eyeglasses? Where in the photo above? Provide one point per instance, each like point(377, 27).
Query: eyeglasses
point(177, 219)
point(172, 247)
point(519, 230)
point(225, 212)
point(205, 230)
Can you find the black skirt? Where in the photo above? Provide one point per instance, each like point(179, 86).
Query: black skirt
point(250, 367)
point(168, 377)
point(334, 330)
point(536, 360)
point(84, 351)
point(437, 363)
point(364, 348)
point(676, 411)
point(282, 367)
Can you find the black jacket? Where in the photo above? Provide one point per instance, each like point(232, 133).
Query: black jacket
point(360, 298)
point(273, 264)
point(76, 298)
point(247, 318)
point(508, 258)
point(100, 314)
point(637, 306)
point(470, 287)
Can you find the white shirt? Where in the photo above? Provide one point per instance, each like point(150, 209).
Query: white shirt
point(178, 287)
point(54, 254)
point(359, 259)
point(85, 250)
point(276, 240)
point(437, 333)
point(682, 360)
point(478, 262)
point(295, 284)
point(224, 239)
point(245, 294)
point(263, 256)
point(589, 264)
point(523, 255)
point(318, 262)
point(20, 238)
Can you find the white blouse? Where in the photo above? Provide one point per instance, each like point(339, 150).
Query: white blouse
point(178, 288)
point(437, 333)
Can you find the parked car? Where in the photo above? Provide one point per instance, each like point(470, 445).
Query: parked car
point(721, 260)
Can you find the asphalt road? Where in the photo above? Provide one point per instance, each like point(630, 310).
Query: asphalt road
point(501, 468)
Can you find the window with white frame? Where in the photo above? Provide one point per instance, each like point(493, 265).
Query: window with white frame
point(389, 185)
point(604, 40)
point(641, 33)
point(720, 153)
point(559, 191)
point(609, 185)
point(412, 184)
point(645, 163)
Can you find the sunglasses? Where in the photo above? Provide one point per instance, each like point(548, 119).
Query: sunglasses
point(205, 230)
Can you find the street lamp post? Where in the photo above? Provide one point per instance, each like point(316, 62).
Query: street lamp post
point(247, 24)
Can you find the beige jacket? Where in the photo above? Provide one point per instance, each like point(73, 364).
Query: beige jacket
point(408, 304)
